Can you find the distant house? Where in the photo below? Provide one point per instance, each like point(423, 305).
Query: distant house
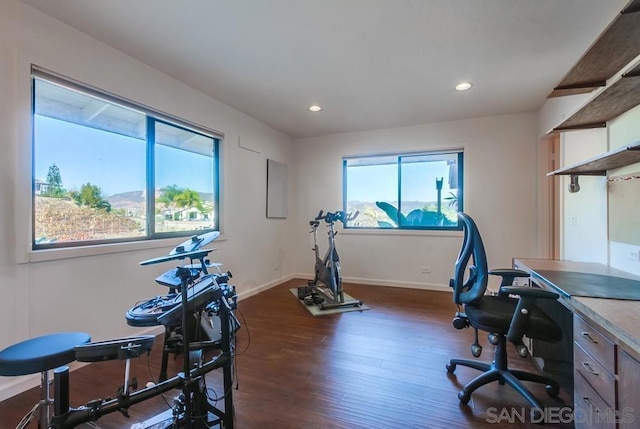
point(41, 187)
point(183, 214)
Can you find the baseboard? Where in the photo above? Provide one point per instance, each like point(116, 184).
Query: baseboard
point(23, 383)
point(380, 282)
point(256, 290)
point(17, 385)
point(408, 285)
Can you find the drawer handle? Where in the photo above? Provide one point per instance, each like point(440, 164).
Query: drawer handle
point(589, 368)
point(588, 336)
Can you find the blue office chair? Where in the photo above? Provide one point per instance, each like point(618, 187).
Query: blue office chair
point(504, 316)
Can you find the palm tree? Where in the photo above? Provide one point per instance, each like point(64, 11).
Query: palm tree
point(189, 198)
point(169, 194)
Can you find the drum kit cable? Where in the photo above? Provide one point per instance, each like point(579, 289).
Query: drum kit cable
point(198, 315)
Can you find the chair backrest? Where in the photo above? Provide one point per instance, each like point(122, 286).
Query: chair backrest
point(470, 290)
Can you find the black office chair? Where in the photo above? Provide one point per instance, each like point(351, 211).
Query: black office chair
point(504, 316)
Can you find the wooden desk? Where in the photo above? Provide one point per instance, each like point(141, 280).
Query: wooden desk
point(606, 347)
point(620, 319)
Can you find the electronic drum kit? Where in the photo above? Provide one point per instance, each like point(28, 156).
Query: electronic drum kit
point(204, 321)
point(197, 314)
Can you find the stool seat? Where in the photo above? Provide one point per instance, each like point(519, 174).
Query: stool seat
point(41, 354)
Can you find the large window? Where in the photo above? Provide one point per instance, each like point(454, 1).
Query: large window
point(404, 191)
point(106, 170)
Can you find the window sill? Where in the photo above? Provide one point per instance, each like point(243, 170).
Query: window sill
point(399, 232)
point(29, 256)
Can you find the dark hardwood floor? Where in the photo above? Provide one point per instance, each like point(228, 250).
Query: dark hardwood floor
point(380, 368)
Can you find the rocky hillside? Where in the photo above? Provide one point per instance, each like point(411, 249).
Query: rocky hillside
point(60, 219)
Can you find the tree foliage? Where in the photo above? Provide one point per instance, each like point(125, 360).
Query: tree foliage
point(91, 196)
point(189, 198)
point(54, 182)
point(168, 194)
point(179, 197)
point(426, 217)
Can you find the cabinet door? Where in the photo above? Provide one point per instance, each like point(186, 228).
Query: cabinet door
point(628, 389)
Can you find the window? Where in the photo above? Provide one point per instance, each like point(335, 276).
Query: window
point(404, 191)
point(106, 170)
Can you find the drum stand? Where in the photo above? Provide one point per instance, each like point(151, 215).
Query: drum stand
point(194, 396)
point(167, 347)
point(192, 408)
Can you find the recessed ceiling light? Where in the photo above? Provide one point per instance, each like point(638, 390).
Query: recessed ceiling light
point(315, 108)
point(463, 86)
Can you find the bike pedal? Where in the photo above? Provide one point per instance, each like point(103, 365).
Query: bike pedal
point(303, 291)
point(317, 299)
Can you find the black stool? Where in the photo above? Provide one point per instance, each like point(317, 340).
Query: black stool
point(41, 354)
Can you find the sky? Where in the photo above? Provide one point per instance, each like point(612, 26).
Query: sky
point(372, 183)
point(113, 162)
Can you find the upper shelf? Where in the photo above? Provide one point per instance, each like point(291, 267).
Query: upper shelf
point(620, 96)
point(616, 47)
point(598, 166)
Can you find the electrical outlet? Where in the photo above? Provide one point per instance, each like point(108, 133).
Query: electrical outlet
point(634, 255)
point(425, 270)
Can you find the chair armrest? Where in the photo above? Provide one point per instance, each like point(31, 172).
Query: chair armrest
point(508, 275)
point(526, 292)
point(524, 308)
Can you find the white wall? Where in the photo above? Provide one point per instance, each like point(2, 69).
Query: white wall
point(557, 109)
point(499, 192)
point(584, 214)
point(624, 131)
point(92, 293)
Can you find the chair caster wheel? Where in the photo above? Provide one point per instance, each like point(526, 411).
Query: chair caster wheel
point(476, 350)
point(552, 390)
point(451, 367)
point(522, 350)
point(463, 397)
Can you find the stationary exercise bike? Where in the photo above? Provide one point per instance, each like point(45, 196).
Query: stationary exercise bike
point(325, 289)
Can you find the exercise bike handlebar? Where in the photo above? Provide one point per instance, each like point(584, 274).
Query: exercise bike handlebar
point(333, 217)
point(350, 216)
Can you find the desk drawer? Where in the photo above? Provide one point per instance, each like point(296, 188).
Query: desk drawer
point(596, 344)
point(592, 371)
point(590, 411)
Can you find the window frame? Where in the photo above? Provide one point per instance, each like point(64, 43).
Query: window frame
point(152, 117)
point(399, 155)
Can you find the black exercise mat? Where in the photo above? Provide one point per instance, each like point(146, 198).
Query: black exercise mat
point(570, 283)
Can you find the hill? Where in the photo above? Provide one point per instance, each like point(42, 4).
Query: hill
point(59, 219)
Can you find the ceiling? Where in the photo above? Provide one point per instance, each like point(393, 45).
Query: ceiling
point(370, 64)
